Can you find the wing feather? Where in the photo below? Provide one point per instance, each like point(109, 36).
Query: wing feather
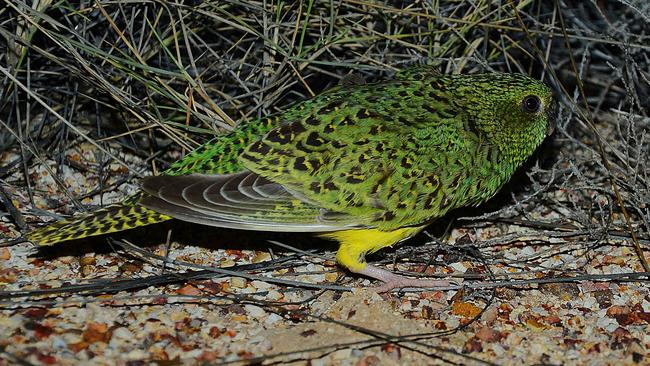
point(239, 201)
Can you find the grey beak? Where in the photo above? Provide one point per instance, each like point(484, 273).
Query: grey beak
point(552, 114)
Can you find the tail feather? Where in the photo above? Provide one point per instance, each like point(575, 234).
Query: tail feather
point(110, 219)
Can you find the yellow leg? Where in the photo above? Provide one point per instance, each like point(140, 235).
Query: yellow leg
point(354, 244)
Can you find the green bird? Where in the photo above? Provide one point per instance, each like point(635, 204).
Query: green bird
point(367, 165)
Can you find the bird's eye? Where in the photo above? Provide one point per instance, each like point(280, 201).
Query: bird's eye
point(531, 104)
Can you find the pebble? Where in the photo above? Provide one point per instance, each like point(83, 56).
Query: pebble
point(458, 267)
point(607, 323)
point(320, 362)
point(237, 282)
point(261, 257)
point(274, 295)
point(5, 254)
point(122, 333)
point(254, 311)
point(272, 319)
point(261, 285)
point(59, 343)
point(137, 354)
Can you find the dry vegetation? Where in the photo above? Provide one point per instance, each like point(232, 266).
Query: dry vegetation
point(99, 93)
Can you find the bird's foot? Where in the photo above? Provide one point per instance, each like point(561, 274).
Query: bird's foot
point(392, 280)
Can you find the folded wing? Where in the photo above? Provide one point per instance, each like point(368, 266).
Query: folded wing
point(242, 200)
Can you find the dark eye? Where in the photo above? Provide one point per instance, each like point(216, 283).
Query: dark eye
point(531, 104)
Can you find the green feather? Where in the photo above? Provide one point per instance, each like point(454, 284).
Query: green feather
point(389, 155)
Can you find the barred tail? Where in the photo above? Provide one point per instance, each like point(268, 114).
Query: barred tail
point(110, 219)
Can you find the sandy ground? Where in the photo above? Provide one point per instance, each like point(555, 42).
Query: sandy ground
point(95, 302)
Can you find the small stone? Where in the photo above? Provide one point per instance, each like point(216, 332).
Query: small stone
point(331, 276)
point(87, 261)
point(238, 282)
point(272, 319)
point(59, 343)
point(393, 351)
point(87, 270)
point(465, 309)
point(371, 360)
point(5, 254)
point(607, 323)
point(189, 290)
point(122, 333)
point(490, 315)
point(226, 262)
point(488, 334)
point(565, 291)
point(506, 293)
point(459, 267)
point(261, 285)
point(274, 295)
point(261, 257)
point(473, 345)
point(130, 267)
point(254, 311)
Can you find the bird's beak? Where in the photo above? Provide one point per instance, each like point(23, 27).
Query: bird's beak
point(552, 117)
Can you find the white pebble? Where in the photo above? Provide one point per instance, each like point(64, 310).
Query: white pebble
point(607, 323)
point(122, 333)
point(458, 267)
point(274, 295)
point(59, 343)
point(254, 311)
point(260, 285)
point(272, 319)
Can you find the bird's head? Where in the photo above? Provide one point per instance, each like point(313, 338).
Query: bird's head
point(513, 112)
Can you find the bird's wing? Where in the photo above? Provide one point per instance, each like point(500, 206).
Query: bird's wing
point(379, 153)
point(242, 200)
point(384, 155)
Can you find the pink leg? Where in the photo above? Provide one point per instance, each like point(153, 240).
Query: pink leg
point(392, 280)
